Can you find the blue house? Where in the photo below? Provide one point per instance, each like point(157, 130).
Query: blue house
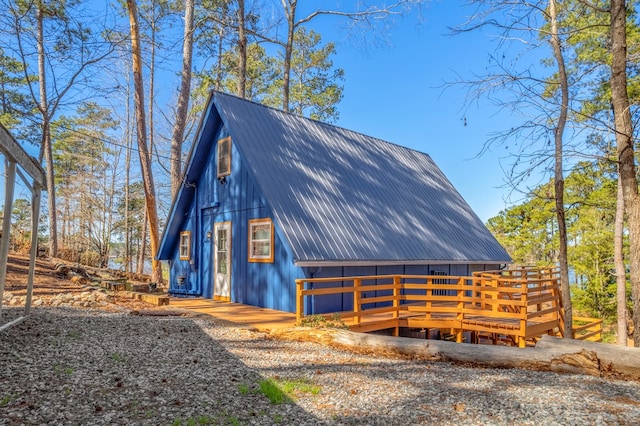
point(268, 197)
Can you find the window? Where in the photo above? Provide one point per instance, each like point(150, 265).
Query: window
point(185, 245)
point(260, 240)
point(222, 247)
point(224, 157)
point(440, 281)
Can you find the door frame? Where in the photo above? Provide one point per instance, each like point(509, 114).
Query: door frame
point(216, 226)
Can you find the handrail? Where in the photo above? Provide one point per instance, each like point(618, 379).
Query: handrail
point(509, 298)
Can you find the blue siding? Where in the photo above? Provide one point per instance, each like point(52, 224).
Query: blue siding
point(329, 303)
point(238, 200)
point(184, 268)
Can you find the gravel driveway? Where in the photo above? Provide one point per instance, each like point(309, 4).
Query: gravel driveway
point(93, 367)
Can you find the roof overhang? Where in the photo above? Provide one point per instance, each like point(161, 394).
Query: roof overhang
point(196, 160)
point(333, 263)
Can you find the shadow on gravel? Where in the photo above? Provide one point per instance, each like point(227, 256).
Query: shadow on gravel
point(66, 366)
point(395, 391)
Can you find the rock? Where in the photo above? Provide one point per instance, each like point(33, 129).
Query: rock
point(77, 279)
point(62, 269)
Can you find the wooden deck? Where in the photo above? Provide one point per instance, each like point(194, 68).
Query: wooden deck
point(249, 316)
point(516, 306)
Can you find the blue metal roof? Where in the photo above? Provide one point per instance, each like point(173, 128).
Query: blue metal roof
point(341, 197)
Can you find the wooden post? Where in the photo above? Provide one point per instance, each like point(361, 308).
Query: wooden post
point(6, 223)
point(524, 313)
point(35, 216)
point(14, 154)
point(356, 300)
point(299, 300)
point(429, 295)
point(396, 295)
point(396, 303)
point(494, 294)
point(460, 314)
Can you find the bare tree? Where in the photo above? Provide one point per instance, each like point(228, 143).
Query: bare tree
point(141, 134)
point(372, 18)
point(367, 16)
point(546, 95)
point(621, 273)
point(563, 81)
point(65, 49)
point(182, 109)
point(242, 50)
point(626, 152)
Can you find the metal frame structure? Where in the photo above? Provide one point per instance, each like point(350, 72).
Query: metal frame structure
point(18, 162)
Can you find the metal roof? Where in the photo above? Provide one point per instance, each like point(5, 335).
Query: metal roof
point(342, 197)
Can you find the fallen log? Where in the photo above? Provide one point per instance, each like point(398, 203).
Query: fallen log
point(613, 358)
point(575, 358)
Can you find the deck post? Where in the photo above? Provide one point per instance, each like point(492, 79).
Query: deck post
point(495, 295)
point(460, 306)
point(397, 281)
point(524, 313)
point(299, 300)
point(429, 298)
point(356, 300)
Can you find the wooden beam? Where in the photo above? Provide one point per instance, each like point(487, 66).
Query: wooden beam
point(9, 186)
point(16, 154)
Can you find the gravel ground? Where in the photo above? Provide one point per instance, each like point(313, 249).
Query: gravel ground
point(93, 367)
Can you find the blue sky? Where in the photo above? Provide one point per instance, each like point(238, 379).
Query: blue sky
point(397, 93)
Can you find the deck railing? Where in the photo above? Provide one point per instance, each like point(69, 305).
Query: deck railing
point(587, 329)
point(519, 305)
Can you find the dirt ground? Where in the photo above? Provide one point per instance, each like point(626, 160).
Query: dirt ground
point(49, 281)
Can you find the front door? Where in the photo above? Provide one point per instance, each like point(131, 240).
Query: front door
point(222, 262)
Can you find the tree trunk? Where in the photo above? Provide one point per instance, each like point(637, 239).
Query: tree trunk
point(143, 245)
point(46, 149)
point(128, 259)
point(621, 273)
point(242, 51)
point(219, 74)
point(625, 148)
point(143, 150)
point(559, 177)
point(288, 51)
point(182, 109)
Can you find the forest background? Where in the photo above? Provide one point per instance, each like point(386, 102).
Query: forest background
point(79, 86)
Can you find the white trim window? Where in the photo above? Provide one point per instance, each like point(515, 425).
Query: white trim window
point(261, 240)
point(185, 245)
point(224, 157)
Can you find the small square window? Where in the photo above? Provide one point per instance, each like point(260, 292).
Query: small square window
point(185, 245)
point(261, 240)
point(224, 157)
